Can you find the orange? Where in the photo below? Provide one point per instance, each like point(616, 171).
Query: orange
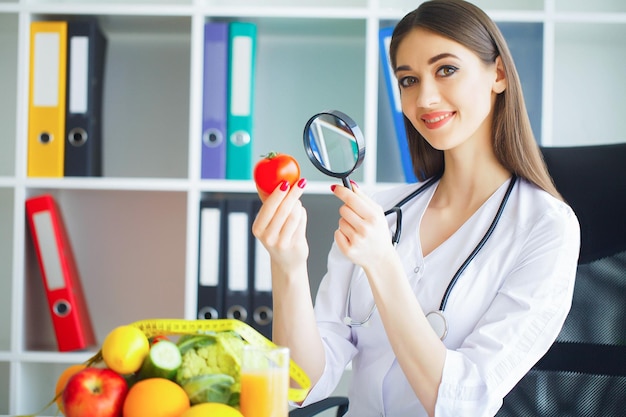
point(124, 349)
point(156, 397)
point(62, 381)
point(213, 410)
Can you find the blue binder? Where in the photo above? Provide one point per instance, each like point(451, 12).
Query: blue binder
point(396, 107)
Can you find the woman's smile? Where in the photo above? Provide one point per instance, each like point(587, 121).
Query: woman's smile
point(437, 119)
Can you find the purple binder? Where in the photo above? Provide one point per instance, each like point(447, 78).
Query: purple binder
point(214, 106)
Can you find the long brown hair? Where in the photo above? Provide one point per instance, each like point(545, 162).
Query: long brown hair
point(513, 140)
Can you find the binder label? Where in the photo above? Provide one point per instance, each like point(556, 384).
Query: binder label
point(241, 83)
point(210, 232)
point(49, 255)
point(238, 244)
point(262, 269)
point(46, 69)
point(79, 70)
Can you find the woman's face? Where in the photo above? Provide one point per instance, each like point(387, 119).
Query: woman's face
point(447, 92)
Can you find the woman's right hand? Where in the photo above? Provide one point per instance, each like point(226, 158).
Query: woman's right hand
point(281, 226)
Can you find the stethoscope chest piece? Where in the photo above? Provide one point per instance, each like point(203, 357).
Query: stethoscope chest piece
point(438, 322)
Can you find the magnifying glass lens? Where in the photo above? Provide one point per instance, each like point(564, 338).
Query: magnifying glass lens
point(334, 144)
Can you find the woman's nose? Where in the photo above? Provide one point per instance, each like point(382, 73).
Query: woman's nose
point(428, 94)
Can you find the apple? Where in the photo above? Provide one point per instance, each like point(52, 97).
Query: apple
point(95, 392)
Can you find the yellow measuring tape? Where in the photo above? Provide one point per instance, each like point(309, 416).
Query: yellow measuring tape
point(156, 327)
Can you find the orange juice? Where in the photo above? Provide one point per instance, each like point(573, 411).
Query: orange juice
point(264, 393)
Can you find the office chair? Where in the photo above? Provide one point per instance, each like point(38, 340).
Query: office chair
point(584, 372)
point(326, 404)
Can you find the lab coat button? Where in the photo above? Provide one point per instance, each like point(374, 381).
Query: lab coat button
point(416, 269)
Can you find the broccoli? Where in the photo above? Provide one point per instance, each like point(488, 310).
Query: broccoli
point(210, 368)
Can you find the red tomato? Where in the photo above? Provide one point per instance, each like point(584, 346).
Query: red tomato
point(272, 170)
point(157, 339)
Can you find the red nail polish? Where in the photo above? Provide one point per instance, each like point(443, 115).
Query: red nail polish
point(284, 186)
point(302, 182)
point(332, 187)
point(354, 184)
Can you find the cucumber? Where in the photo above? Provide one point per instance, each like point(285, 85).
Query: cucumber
point(162, 361)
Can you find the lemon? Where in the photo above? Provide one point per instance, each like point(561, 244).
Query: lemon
point(211, 409)
point(124, 349)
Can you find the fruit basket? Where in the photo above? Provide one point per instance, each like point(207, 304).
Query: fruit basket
point(176, 363)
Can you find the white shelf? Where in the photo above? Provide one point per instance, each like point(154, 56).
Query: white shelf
point(135, 230)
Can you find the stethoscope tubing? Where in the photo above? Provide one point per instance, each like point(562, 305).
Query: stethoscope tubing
point(479, 246)
point(397, 209)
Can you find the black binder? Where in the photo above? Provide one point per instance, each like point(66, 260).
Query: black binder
point(261, 285)
point(238, 243)
point(86, 51)
point(210, 299)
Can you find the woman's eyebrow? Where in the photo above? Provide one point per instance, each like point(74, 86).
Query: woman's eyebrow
point(441, 56)
point(430, 61)
point(402, 68)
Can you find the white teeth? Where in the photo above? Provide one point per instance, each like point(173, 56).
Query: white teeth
point(438, 118)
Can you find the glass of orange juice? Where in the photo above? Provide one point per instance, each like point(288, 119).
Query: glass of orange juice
point(264, 381)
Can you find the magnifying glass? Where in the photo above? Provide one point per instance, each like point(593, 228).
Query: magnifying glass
point(334, 144)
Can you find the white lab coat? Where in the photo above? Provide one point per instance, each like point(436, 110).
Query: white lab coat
point(505, 311)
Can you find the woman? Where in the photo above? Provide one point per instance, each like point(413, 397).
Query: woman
point(469, 135)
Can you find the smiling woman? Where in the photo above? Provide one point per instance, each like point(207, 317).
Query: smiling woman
point(480, 36)
point(488, 222)
point(443, 83)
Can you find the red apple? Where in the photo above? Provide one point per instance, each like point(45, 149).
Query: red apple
point(95, 392)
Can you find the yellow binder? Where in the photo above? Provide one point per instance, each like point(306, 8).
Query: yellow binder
point(46, 118)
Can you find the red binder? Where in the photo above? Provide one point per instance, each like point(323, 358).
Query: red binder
point(70, 316)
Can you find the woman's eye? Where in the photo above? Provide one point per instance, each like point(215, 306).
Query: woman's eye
point(447, 70)
point(407, 81)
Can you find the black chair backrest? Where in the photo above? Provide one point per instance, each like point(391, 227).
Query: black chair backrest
point(584, 373)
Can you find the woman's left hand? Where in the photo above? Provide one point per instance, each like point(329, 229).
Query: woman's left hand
point(363, 233)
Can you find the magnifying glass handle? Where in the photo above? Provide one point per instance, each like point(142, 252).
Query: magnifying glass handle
point(347, 183)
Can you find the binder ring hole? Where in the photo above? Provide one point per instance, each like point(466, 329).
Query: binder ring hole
point(208, 313)
point(237, 312)
point(61, 308)
point(77, 136)
point(263, 315)
point(240, 138)
point(45, 137)
point(212, 138)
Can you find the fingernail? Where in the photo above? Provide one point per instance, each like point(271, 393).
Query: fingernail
point(332, 187)
point(354, 184)
point(302, 182)
point(284, 186)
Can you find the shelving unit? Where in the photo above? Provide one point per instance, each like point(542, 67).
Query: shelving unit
point(135, 230)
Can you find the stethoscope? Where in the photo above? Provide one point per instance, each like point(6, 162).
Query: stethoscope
point(436, 318)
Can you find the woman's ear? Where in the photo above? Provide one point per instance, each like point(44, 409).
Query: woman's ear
point(499, 84)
